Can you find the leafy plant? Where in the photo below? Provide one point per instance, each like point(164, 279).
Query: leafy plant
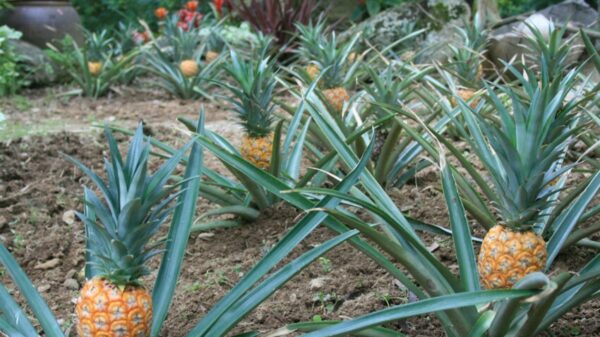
point(11, 79)
point(372, 7)
point(94, 68)
point(180, 64)
point(278, 19)
point(12, 319)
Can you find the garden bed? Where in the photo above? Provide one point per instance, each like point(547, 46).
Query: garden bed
point(39, 190)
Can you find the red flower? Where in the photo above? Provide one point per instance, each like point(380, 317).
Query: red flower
point(218, 5)
point(141, 37)
point(192, 5)
point(161, 13)
point(183, 25)
point(197, 20)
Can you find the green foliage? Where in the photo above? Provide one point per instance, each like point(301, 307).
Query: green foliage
point(514, 7)
point(368, 8)
point(106, 14)
point(76, 61)
point(10, 77)
point(5, 4)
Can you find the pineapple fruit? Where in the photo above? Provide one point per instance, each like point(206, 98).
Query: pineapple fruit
point(506, 256)
point(210, 56)
point(105, 309)
point(94, 68)
point(465, 94)
point(336, 98)
point(113, 300)
point(189, 68)
point(252, 101)
point(258, 150)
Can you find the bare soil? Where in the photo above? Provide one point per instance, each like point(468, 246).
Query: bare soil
point(39, 190)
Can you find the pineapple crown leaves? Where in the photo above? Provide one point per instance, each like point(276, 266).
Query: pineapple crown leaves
point(183, 44)
point(253, 93)
point(99, 45)
point(327, 53)
point(549, 52)
point(523, 144)
point(135, 204)
point(465, 60)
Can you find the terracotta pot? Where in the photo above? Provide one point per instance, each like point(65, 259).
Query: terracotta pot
point(42, 21)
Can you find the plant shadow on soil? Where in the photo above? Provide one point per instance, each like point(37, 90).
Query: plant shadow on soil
point(39, 189)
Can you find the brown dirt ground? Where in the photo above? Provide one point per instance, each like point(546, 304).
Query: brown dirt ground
point(38, 187)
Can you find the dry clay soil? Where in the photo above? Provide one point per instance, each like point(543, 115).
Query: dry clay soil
point(39, 191)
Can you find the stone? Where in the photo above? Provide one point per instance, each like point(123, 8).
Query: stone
point(438, 17)
point(41, 71)
point(69, 217)
point(43, 288)
point(508, 41)
point(50, 264)
point(71, 284)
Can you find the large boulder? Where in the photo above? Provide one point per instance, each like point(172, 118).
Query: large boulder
point(41, 69)
point(508, 42)
point(438, 17)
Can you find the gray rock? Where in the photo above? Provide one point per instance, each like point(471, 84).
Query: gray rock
point(507, 42)
point(41, 69)
point(438, 17)
point(71, 284)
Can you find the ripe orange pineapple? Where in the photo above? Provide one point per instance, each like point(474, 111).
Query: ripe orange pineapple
point(258, 150)
point(94, 68)
point(466, 95)
point(210, 56)
point(254, 106)
point(104, 309)
point(506, 256)
point(313, 71)
point(189, 68)
point(336, 98)
point(113, 302)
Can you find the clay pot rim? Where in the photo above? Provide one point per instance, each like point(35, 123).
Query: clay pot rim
point(45, 3)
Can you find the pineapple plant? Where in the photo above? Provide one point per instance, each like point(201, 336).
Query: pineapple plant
point(214, 45)
point(465, 61)
point(252, 101)
point(114, 300)
point(179, 63)
point(338, 60)
point(521, 150)
point(98, 49)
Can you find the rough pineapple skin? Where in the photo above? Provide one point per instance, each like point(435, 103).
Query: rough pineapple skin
point(104, 310)
point(258, 150)
point(466, 95)
point(94, 68)
point(210, 56)
point(336, 98)
point(189, 68)
point(506, 256)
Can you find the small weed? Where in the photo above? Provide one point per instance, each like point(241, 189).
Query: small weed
point(327, 302)
point(194, 287)
point(325, 264)
point(18, 240)
point(22, 103)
